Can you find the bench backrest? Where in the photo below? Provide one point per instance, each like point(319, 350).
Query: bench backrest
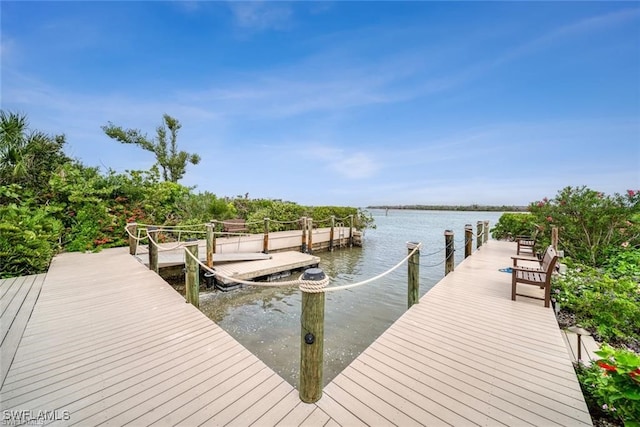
point(238, 224)
point(549, 260)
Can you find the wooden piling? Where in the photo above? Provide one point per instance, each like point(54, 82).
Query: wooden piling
point(331, 232)
point(350, 231)
point(192, 274)
point(153, 248)
point(211, 245)
point(485, 236)
point(309, 235)
point(303, 225)
point(468, 240)
point(554, 237)
point(132, 228)
point(413, 274)
point(449, 263)
point(479, 228)
point(265, 241)
point(311, 339)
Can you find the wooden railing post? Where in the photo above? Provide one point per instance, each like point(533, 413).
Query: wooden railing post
point(413, 274)
point(449, 263)
point(310, 235)
point(192, 274)
point(351, 230)
point(485, 236)
point(311, 339)
point(303, 224)
point(153, 248)
point(331, 232)
point(265, 241)
point(211, 245)
point(132, 228)
point(554, 237)
point(479, 227)
point(468, 240)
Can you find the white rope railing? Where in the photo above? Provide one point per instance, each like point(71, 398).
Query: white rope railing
point(312, 286)
point(171, 226)
point(137, 239)
point(379, 276)
point(240, 281)
point(163, 248)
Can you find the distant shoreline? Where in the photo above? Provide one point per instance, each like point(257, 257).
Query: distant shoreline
point(471, 208)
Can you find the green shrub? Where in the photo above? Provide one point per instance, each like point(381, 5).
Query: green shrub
point(510, 225)
point(611, 385)
point(29, 239)
point(591, 224)
point(608, 306)
point(625, 263)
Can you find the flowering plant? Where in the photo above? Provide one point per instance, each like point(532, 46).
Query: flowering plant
point(614, 382)
point(590, 223)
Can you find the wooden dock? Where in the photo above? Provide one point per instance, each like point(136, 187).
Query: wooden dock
point(109, 342)
point(279, 262)
point(18, 296)
point(465, 355)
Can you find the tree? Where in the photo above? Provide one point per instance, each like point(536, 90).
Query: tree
point(28, 157)
point(591, 224)
point(172, 162)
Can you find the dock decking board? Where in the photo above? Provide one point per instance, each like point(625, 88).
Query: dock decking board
point(443, 335)
point(18, 300)
point(113, 344)
point(280, 262)
point(110, 341)
point(171, 254)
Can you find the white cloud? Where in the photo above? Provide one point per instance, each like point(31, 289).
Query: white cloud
point(353, 165)
point(356, 166)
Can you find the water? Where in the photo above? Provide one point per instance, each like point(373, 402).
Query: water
point(267, 320)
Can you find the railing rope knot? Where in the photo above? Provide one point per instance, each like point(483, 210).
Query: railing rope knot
point(313, 286)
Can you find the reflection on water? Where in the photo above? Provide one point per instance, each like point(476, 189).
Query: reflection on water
point(267, 320)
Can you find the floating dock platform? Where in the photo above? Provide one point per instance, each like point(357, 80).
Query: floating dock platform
point(279, 262)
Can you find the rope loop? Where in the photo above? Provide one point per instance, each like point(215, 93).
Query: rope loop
point(313, 286)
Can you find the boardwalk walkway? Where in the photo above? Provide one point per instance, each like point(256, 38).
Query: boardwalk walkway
point(109, 342)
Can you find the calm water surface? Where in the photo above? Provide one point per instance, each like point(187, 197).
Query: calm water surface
point(267, 320)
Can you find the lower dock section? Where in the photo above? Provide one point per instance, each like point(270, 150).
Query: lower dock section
point(279, 262)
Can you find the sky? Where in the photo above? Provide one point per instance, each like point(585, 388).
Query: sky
point(341, 103)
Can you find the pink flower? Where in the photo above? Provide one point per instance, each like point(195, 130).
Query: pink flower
point(631, 193)
point(549, 219)
point(540, 204)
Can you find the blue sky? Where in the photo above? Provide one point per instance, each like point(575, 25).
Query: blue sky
point(342, 103)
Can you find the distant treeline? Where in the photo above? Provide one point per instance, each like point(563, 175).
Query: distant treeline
point(482, 208)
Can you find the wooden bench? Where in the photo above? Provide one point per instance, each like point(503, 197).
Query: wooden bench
point(527, 243)
point(537, 276)
point(237, 225)
point(537, 259)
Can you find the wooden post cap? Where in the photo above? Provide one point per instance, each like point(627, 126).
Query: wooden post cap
point(313, 274)
point(412, 245)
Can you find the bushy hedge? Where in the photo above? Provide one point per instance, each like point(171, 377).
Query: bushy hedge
point(607, 305)
point(511, 224)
